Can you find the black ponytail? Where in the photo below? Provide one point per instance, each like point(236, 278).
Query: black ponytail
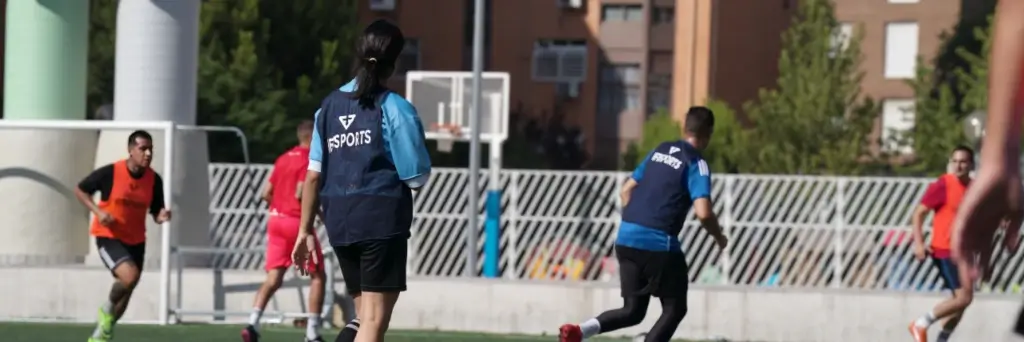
point(379, 47)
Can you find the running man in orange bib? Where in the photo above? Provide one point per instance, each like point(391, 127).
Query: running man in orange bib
point(943, 197)
point(129, 191)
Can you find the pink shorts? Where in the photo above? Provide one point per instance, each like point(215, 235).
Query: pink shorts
point(281, 234)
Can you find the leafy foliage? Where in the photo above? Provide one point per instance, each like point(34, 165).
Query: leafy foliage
point(659, 127)
point(937, 127)
point(815, 120)
point(729, 148)
point(264, 66)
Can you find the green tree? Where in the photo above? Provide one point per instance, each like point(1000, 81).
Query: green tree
point(264, 65)
point(725, 153)
point(973, 77)
point(728, 151)
point(102, 19)
point(816, 120)
point(937, 129)
point(659, 127)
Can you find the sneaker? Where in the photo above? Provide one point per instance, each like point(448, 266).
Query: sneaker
point(249, 334)
point(570, 333)
point(105, 327)
point(918, 333)
point(317, 339)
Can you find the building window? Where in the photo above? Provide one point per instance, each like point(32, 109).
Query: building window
point(409, 59)
point(622, 13)
point(841, 38)
point(619, 88)
point(663, 15)
point(659, 92)
point(901, 40)
point(897, 122)
point(560, 61)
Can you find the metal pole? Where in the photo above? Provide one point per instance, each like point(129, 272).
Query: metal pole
point(474, 142)
point(492, 225)
point(165, 228)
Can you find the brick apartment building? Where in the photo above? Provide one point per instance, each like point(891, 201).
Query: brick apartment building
point(624, 59)
point(605, 64)
point(602, 64)
point(896, 33)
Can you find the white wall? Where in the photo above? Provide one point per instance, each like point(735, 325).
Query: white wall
point(42, 221)
point(503, 306)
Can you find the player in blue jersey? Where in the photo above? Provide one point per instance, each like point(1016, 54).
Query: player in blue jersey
point(656, 200)
point(367, 156)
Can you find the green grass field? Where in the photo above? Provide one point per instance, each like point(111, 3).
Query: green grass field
point(45, 332)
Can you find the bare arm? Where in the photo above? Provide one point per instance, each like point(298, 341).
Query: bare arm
point(310, 203)
point(917, 219)
point(706, 215)
point(86, 200)
point(268, 192)
point(627, 191)
point(99, 180)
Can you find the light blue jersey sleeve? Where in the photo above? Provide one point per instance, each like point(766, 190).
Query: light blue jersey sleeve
point(638, 173)
point(404, 136)
point(316, 152)
point(698, 179)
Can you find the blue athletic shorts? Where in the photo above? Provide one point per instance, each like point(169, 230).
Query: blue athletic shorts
point(948, 271)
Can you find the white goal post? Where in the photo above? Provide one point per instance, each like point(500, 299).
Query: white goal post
point(169, 128)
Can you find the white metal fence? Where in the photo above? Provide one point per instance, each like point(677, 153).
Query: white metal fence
point(795, 231)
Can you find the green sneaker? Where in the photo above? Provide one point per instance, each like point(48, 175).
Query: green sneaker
point(104, 328)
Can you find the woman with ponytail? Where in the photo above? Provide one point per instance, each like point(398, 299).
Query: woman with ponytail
point(366, 157)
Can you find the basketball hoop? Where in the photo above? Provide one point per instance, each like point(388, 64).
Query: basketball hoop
point(445, 144)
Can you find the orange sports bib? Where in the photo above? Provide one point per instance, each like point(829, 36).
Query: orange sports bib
point(129, 205)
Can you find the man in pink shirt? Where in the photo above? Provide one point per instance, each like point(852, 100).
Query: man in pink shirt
point(283, 191)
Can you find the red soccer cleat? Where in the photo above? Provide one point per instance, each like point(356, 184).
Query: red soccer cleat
point(919, 334)
point(249, 334)
point(570, 333)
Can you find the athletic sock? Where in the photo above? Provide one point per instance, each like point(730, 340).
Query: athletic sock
point(108, 307)
point(312, 324)
point(944, 336)
point(926, 320)
point(590, 328)
point(348, 334)
point(254, 318)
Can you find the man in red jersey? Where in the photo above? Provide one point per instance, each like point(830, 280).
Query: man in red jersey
point(943, 197)
point(283, 193)
point(995, 199)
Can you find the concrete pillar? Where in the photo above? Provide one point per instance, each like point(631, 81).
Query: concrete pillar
point(155, 80)
point(46, 56)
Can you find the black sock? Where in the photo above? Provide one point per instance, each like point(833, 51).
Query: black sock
point(348, 334)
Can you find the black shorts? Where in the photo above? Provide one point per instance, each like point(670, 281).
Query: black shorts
point(647, 273)
point(374, 265)
point(113, 252)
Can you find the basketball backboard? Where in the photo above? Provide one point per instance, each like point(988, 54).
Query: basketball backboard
point(445, 98)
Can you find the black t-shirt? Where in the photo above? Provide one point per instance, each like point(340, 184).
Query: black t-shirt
point(102, 180)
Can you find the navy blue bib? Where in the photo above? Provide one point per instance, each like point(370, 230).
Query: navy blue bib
point(360, 192)
point(661, 198)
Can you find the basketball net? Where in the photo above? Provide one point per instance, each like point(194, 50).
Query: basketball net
point(444, 145)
